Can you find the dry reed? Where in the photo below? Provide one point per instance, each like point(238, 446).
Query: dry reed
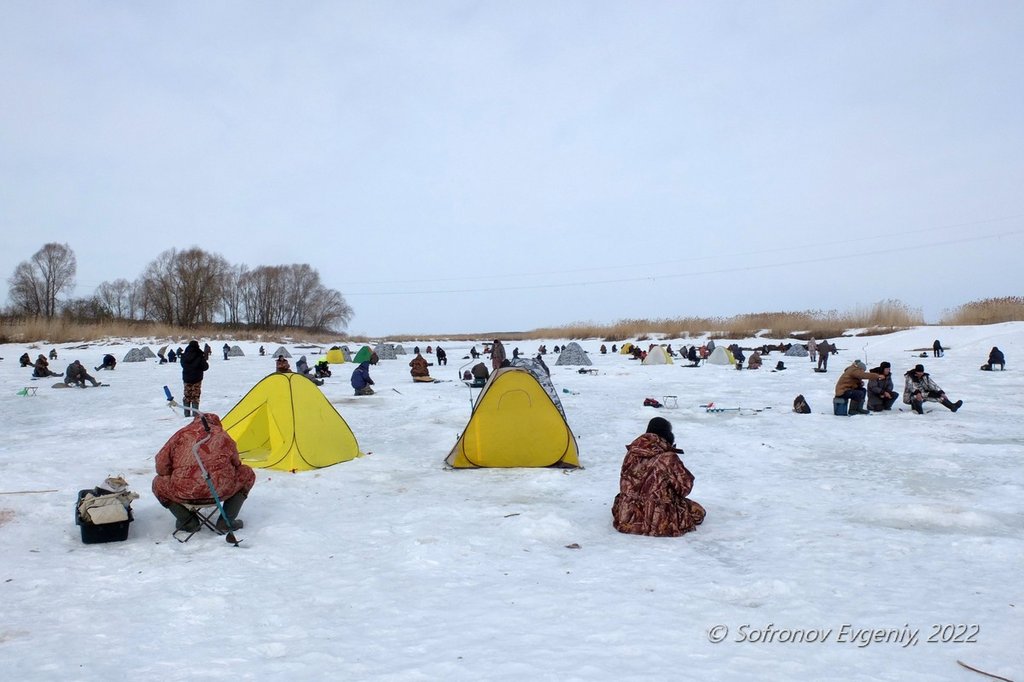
point(986, 311)
point(881, 318)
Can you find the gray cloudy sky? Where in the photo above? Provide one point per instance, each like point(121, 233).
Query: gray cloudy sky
point(476, 166)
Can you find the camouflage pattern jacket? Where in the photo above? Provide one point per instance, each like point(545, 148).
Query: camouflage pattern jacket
point(925, 385)
point(178, 477)
point(653, 487)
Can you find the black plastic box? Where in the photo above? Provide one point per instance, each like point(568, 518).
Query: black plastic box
point(104, 532)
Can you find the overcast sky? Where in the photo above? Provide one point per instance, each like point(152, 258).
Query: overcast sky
point(485, 166)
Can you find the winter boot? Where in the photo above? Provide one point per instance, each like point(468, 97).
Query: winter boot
point(232, 506)
point(188, 412)
point(915, 405)
point(183, 518)
point(857, 407)
point(952, 407)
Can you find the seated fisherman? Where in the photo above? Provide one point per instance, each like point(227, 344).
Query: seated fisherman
point(419, 369)
point(75, 375)
point(179, 480)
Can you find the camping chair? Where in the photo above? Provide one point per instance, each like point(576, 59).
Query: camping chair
point(206, 513)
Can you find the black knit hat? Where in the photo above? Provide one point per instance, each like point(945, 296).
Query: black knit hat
point(885, 365)
point(661, 427)
point(919, 368)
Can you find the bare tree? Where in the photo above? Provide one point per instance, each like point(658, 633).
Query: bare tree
point(184, 287)
point(199, 278)
point(301, 283)
point(38, 284)
point(157, 286)
point(262, 291)
point(116, 298)
point(88, 309)
point(291, 295)
point(233, 295)
point(327, 308)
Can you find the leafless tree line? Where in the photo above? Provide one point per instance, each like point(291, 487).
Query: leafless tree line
point(183, 288)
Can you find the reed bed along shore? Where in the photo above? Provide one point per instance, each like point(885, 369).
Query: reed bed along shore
point(881, 318)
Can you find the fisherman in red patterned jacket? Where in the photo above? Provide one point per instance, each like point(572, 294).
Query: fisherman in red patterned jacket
point(653, 487)
point(179, 480)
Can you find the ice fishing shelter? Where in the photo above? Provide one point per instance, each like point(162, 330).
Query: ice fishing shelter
point(336, 356)
point(281, 350)
point(386, 351)
point(135, 355)
point(284, 422)
point(148, 352)
point(573, 354)
point(363, 355)
point(658, 356)
point(515, 423)
point(797, 350)
point(721, 356)
point(400, 350)
point(539, 370)
point(236, 352)
point(626, 349)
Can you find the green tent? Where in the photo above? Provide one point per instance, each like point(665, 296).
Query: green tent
point(363, 355)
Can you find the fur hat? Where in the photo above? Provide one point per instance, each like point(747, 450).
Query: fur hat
point(885, 365)
point(860, 365)
point(662, 427)
point(919, 368)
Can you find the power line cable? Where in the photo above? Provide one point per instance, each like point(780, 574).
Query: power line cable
point(690, 259)
point(653, 278)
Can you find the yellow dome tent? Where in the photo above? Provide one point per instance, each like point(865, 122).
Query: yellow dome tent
point(721, 356)
point(335, 356)
point(626, 349)
point(514, 424)
point(658, 356)
point(284, 422)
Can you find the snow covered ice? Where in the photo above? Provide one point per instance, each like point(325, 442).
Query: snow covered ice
point(390, 567)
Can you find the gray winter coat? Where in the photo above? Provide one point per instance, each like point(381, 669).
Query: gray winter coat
point(876, 387)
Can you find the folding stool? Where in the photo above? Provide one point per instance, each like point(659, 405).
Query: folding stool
point(206, 513)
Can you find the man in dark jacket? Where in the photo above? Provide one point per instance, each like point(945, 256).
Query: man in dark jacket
point(109, 362)
point(193, 365)
point(881, 395)
point(442, 357)
point(42, 368)
point(995, 356)
point(480, 374)
point(75, 375)
point(361, 380)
